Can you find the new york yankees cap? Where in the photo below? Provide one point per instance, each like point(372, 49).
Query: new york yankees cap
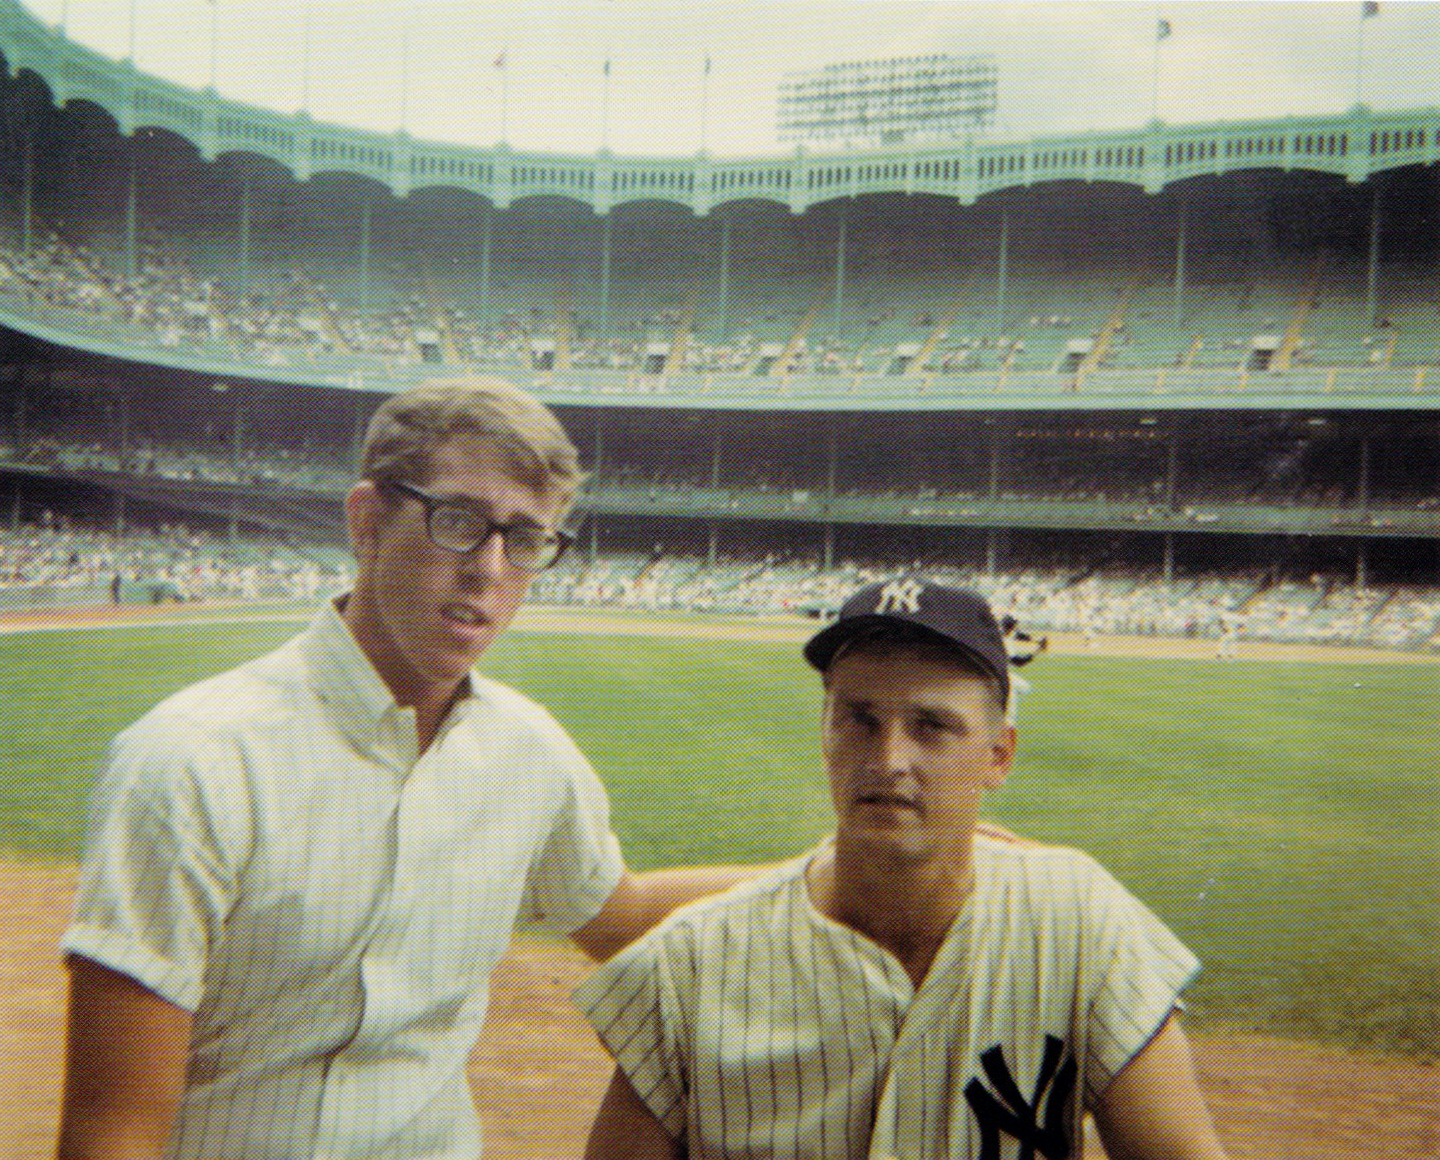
point(956, 617)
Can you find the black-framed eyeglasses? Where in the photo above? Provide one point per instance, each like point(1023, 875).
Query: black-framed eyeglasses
point(461, 527)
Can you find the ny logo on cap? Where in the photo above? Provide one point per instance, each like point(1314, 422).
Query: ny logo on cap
point(900, 596)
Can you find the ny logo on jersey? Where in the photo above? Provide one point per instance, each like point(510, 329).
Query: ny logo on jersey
point(1007, 1110)
point(900, 596)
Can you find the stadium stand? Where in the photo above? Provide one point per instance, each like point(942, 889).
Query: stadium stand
point(777, 401)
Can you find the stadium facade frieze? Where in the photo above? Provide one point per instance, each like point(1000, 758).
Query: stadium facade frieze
point(1353, 145)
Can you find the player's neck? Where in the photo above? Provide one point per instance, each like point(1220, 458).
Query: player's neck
point(905, 905)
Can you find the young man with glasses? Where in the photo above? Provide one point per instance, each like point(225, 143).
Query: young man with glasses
point(301, 873)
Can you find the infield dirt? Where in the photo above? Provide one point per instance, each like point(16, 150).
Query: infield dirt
point(538, 1072)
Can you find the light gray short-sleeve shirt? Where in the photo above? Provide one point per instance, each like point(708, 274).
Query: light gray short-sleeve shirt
point(269, 851)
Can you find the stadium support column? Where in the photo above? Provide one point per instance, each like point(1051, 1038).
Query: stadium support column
point(121, 430)
point(606, 240)
point(716, 449)
point(997, 451)
point(237, 443)
point(1169, 576)
point(244, 272)
point(487, 241)
point(131, 266)
point(1002, 272)
point(1372, 265)
point(1172, 470)
point(1362, 484)
point(840, 274)
point(1180, 264)
point(832, 468)
point(362, 421)
point(22, 411)
point(27, 198)
point(723, 310)
point(365, 227)
point(21, 442)
point(597, 469)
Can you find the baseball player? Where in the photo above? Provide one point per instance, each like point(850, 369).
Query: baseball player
point(1022, 648)
point(918, 986)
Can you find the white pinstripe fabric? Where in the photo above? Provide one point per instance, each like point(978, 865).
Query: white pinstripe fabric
point(270, 852)
point(755, 1027)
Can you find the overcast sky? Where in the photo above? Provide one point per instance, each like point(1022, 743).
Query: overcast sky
point(534, 72)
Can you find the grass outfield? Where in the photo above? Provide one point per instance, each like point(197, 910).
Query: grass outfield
point(1283, 818)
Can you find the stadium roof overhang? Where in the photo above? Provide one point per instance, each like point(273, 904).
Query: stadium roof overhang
point(1353, 145)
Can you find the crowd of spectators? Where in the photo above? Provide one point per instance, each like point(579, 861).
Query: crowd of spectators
point(56, 560)
point(293, 314)
point(759, 481)
point(1319, 611)
point(260, 465)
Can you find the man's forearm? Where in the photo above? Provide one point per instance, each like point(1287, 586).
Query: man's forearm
point(126, 1055)
point(640, 901)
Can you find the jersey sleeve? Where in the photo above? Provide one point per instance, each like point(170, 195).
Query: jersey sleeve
point(165, 838)
point(1140, 970)
point(580, 864)
point(635, 1006)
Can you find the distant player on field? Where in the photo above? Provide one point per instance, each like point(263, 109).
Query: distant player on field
point(1022, 648)
point(918, 986)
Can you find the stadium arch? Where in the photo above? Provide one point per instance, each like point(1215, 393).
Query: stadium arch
point(1355, 144)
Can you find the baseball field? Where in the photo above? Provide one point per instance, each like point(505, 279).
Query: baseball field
point(1281, 811)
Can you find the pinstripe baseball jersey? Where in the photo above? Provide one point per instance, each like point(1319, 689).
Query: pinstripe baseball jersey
point(754, 1026)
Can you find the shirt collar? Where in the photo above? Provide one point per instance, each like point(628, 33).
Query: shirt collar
point(347, 683)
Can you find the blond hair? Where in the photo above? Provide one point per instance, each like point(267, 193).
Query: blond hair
point(409, 427)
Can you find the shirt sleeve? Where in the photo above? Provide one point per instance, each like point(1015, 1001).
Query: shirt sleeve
point(581, 863)
point(157, 880)
point(632, 1003)
point(1141, 969)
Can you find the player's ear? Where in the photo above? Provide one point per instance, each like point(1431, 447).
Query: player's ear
point(1002, 757)
point(364, 511)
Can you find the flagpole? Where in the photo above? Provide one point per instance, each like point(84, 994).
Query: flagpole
point(405, 72)
point(704, 103)
point(1366, 11)
point(132, 31)
point(504, 63)
point(1155, 80)
point(1162, 31)
point(605, 110)
point(305, 63)
point(214, 40)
